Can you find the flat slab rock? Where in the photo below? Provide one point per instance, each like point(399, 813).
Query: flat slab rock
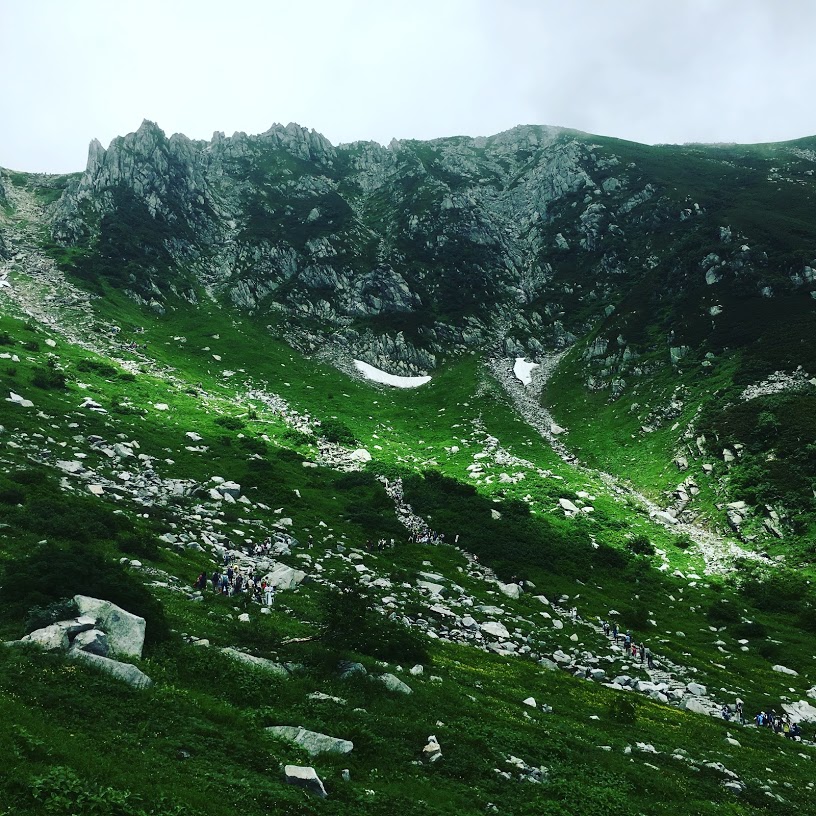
point(260, 662)
point(304, 777)
point(312, 741)
point(126, 672)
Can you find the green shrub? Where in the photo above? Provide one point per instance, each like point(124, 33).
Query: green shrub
point(96, 367)
point(295, 437)
point(48, 378)
point(682, 542)
point(721, 612)
point(640, 545)
point(39, 617)
point(349, 623)
point(48, 574)
point(6, 339)
point(623, 709)
point(333, 430)
point(230, 423)
point(253, 444)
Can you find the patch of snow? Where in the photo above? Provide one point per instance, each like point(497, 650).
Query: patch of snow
point(523, 370)
point(376, 375)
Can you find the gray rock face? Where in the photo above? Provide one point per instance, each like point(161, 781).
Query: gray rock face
point(93, 641)
point(310, 234)
point(312, 741)
point(52, 638)
point(125, 631)
point(126, 672)
point(305, 777)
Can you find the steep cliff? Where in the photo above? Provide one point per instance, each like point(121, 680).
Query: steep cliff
point(410, 253)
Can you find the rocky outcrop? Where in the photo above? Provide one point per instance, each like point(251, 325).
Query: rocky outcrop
point(125, 631)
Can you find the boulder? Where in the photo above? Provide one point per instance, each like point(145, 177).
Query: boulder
point(125, 631)
point(697, 689)
point(125, 672)
point(230, 489)
point(304, 777)
point(696, 705)
point(496, 630)
point(283, 577)
point(93, 641)
point(52, 638)
point(510, 590)
point(312, 742)
point(393, 683)
point(259, 662)
point(785, 670)
point(360, 455)
point(530, 701)
point(567, 506)
point(801, 711)
point(432, 751)
point(347, 668)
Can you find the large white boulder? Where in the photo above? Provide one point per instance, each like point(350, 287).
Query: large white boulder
point(230, 489)
point(785, 670)
point(283, 577)
point(801, 711)
point(125, 631)
point(496, 630)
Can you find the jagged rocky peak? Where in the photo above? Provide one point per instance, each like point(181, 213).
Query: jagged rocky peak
point(416, 251)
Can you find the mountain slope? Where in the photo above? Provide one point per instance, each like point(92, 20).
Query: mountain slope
point(139, 379)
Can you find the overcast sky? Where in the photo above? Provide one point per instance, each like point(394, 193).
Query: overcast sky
point(647, 70)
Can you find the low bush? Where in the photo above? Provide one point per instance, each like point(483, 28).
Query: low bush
point(96, 367)
point(48, 378)
point(230, 423)
point(349, 622)
point(333, 430)
point(641, 545)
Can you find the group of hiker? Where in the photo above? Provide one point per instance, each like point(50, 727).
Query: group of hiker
point(233, 581)
point(637, 651)
point(778, 723)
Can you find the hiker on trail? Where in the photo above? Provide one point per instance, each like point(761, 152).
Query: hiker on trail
point(726, 712)
point(642, 652)
point(605, 627)
point(615, 631)
point(740, 713)
point(201, 581)
point(216, 580)
point(269, 595)
point(649, 659)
